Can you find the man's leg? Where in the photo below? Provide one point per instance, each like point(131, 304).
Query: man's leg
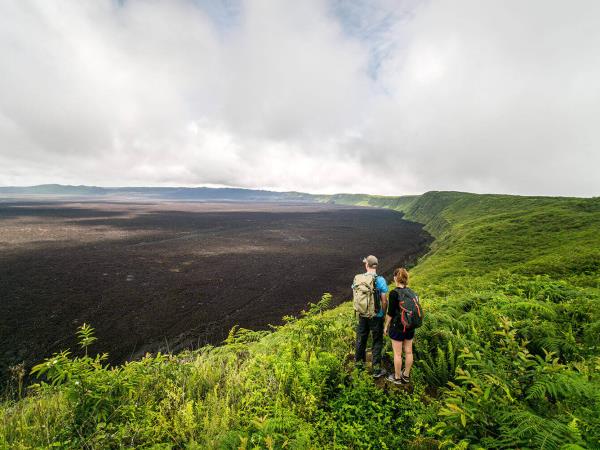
point(362, 335)
point(377, 329)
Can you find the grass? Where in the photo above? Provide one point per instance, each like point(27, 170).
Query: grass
point(508, 357)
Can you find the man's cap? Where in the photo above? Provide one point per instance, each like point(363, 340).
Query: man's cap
point(371, 261)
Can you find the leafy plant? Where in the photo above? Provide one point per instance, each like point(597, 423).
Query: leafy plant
point(438, 370)
point(86, 336)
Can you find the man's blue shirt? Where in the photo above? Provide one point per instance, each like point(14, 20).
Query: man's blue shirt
point(382, 288)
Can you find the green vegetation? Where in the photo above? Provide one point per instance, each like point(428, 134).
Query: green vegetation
point(379, 201)
point(508, 357)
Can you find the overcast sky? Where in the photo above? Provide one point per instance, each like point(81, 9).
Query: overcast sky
point(377, 96)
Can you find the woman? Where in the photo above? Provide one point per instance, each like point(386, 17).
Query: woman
point(402, 339)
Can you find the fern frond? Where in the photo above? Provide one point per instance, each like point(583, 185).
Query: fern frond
point(451, 358)
point(441, 365)
point(543, 309)
point(537, 390)
point(523, 428)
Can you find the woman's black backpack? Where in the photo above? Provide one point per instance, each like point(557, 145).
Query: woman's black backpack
point(410, 313)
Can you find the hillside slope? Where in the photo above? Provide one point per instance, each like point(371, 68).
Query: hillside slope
point(508, 357)
point(476, 234)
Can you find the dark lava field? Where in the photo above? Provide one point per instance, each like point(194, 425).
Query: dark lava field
point(167, 276)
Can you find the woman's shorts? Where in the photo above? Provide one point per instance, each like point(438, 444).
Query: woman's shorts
point(399, 335)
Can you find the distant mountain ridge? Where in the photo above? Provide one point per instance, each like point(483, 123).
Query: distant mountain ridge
point(402, 203)
point(166, 193)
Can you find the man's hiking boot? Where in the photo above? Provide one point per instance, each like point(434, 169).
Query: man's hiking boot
point(378, 372)
point(392, 379)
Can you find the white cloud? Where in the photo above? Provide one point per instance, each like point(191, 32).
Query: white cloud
point(324, 96)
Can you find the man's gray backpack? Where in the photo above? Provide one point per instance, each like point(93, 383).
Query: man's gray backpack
point(363, 289)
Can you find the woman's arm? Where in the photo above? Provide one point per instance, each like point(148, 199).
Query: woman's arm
point(392, 301)
point(386, 327)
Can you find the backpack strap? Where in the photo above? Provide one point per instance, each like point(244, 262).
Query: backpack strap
point(401, 292)
point(401, 295)
point(376, 293)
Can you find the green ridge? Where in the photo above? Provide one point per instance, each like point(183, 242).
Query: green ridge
point(476, 234)
point(508, 357)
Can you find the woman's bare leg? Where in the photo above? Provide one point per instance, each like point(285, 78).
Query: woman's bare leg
point(397, 346)
point(407, 344)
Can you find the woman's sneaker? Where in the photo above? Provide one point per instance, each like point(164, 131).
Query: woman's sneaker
point(392, 379)
point(404, 379)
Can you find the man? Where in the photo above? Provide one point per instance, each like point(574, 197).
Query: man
point(371, 321)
